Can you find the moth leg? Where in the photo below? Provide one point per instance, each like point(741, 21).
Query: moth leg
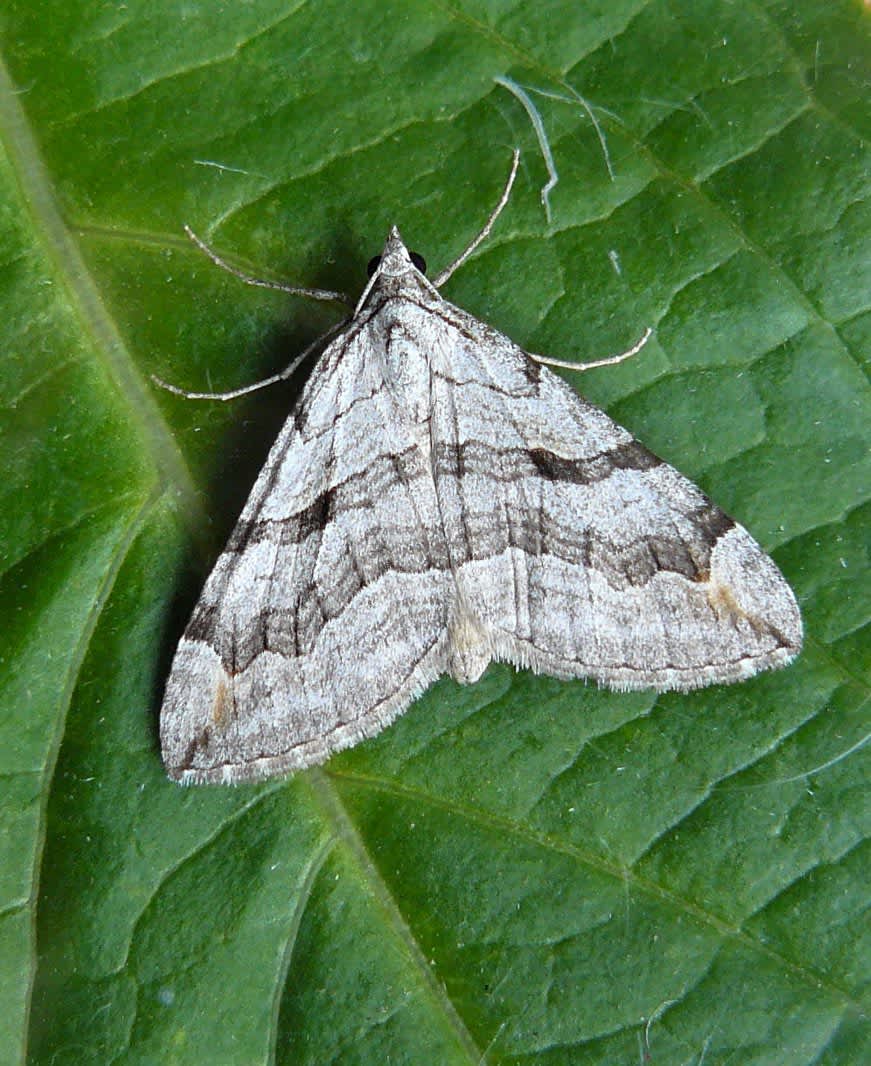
point(282, 375)
point(612, 360)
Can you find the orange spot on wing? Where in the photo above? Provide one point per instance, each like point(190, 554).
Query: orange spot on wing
point(723, 601)
point(222, 708)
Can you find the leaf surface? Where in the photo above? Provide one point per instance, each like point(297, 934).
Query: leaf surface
point(521, 871)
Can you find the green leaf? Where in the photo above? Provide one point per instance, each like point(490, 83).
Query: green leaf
point(521, 871)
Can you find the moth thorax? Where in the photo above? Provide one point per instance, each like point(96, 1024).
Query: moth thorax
point(407, 374)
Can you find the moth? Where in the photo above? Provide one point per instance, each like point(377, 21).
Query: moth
point(437, 500)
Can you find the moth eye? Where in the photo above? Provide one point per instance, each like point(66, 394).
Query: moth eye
point(417, 259)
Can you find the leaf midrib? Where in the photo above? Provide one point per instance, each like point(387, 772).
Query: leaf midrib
point(501, 825)
point(35, 186)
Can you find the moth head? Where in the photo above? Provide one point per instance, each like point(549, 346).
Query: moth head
point(396, 259)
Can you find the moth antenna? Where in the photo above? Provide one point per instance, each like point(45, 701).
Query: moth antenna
point(440, 279)
point(264, 283)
